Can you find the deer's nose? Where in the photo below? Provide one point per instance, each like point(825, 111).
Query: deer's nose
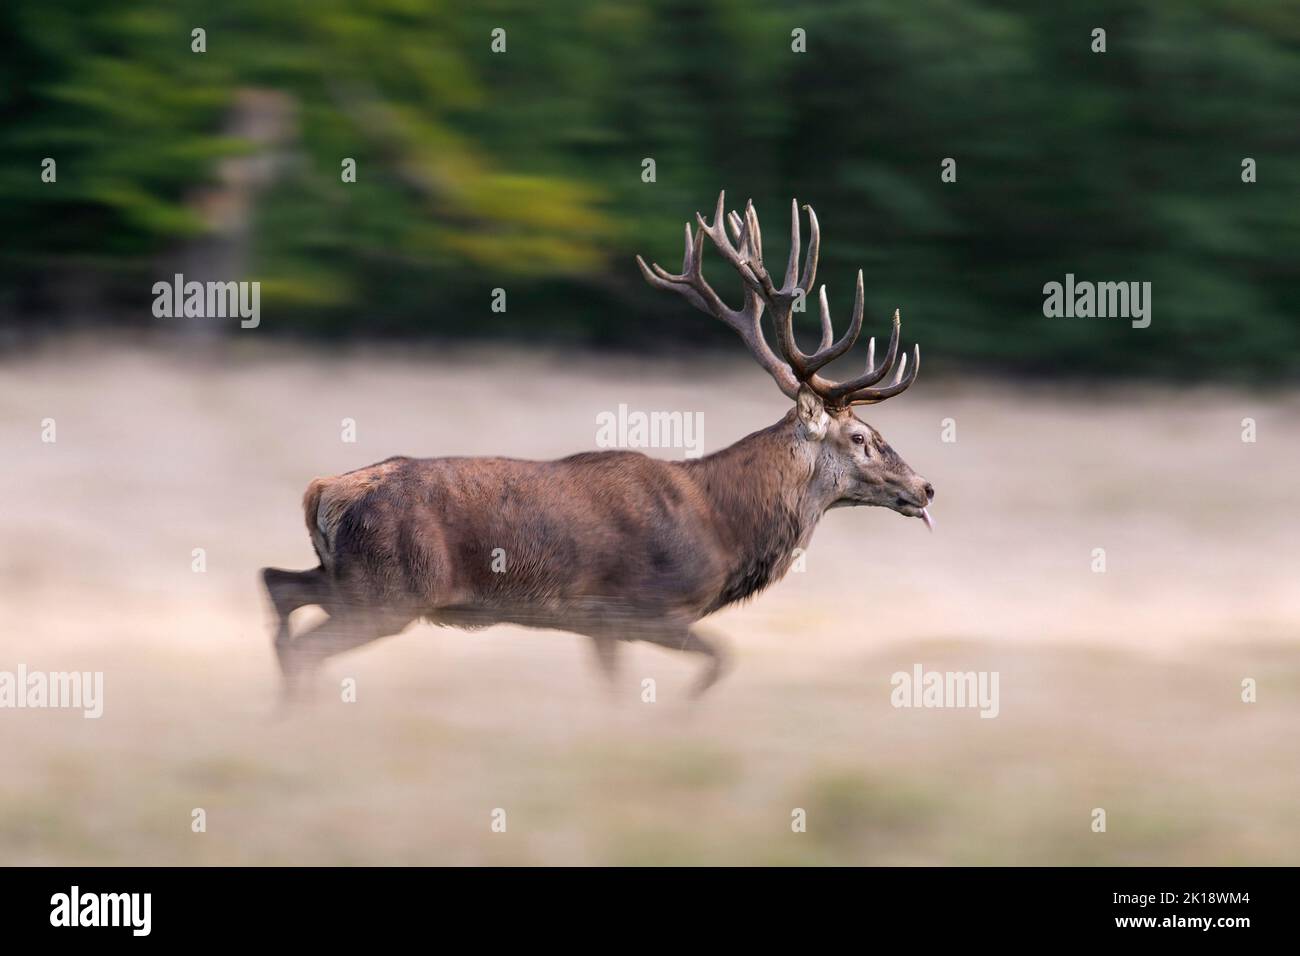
point(929, 492)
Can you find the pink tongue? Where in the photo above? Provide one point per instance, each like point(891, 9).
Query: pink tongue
point(925, 516)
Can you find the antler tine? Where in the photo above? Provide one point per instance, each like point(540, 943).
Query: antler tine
point(672, 284)
point(746, 242)
point(872, 375)
point(828, 331)
point(814, 246)
point(902, 367)
point(755, 233)
point(792, 274)
point(719, 212)
point(717, 230)
point(869, 396)
point(736, 226)
point(793, 263)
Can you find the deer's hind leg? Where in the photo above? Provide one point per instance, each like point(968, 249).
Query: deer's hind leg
point(290, 590)
point(347, 627)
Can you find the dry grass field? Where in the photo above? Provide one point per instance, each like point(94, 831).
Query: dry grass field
point(1119, 690)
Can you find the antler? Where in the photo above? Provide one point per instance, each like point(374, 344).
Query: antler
point(691, 285)
point(793, 366)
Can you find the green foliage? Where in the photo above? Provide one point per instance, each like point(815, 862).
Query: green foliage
point(522, 169)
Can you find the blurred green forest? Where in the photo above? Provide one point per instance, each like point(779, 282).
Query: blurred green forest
point(523, 169)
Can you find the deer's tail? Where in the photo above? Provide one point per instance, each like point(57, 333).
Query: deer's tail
point(311, 511)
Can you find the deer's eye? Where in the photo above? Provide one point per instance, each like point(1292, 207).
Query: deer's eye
point(859, 439)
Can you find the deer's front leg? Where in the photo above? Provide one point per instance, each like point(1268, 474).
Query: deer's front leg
point(688, 638)
point(606, 648)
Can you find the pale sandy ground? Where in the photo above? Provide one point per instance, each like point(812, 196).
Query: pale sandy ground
point(1118, 690)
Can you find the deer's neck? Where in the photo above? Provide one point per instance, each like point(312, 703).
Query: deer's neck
point(764, 503)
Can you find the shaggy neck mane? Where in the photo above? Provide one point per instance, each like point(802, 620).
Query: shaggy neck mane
point(764, 508)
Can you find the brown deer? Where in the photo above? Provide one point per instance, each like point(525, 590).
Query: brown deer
point(612, 545)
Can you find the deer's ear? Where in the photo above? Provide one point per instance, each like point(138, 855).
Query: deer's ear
point(812, 413)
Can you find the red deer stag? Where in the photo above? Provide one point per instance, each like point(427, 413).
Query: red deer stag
point(612, 545)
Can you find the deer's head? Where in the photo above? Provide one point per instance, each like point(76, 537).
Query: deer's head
point(852, 463)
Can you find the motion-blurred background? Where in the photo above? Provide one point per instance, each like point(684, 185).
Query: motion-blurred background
point(522, 169)
point(1047, 438)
